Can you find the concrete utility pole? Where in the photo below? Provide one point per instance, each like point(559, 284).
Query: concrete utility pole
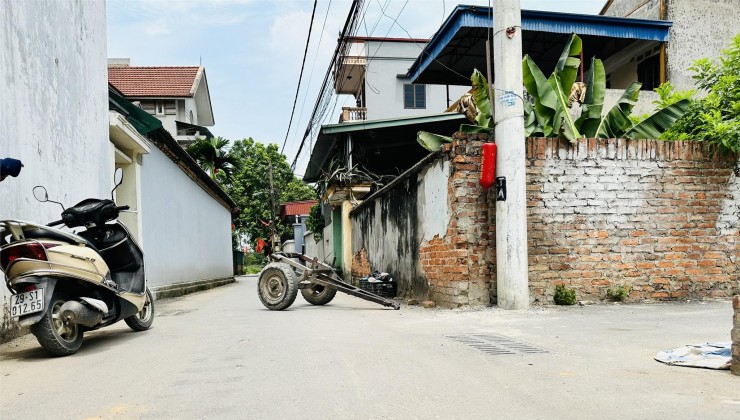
point(511, 201)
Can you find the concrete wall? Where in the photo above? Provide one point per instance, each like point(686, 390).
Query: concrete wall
point(187, 233)
point(53, 107)
point(384, 91)
point(387, 229)
point(701, 28)
point(660, 218)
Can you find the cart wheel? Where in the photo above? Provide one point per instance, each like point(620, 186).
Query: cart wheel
point(277, 287)
point(318, 294)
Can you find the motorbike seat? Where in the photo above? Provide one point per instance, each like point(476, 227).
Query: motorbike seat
point(53, 234)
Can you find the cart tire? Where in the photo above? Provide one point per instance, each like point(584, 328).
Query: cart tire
point(318, 294)
point(277, 286)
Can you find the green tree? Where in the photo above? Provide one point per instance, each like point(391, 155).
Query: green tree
point(214, 157)
point(250, 187)
point(715, 118)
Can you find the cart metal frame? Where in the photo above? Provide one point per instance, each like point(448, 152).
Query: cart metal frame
point(312, 271)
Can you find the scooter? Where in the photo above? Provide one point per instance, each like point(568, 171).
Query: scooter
point(65, 284)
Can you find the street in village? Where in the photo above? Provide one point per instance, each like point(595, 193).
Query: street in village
point(221, 354)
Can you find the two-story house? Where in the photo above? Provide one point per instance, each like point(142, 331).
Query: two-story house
point(177, 96)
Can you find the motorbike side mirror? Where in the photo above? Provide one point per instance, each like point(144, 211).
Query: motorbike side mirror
point(40, 194)
point(117, 180)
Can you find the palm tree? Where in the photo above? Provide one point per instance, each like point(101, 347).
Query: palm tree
point(213, 156)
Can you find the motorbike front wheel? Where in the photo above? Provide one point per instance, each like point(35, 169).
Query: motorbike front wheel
point(143, 319)
point(55, 335)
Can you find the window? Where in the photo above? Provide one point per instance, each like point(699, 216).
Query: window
point(414, 96)
point(648, 72)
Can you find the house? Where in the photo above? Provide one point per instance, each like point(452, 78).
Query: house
point(700, 28)
point(182, 217)
point(177, 96)
point(458, 48)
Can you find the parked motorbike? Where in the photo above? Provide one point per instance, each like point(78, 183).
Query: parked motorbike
point(64, 284)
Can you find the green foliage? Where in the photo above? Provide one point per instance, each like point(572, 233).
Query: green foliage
point(214, 157)
point(250, 188)
point(618, 293)
point(564, 296)
point(315, 222)
point(715, 118)
point(252, 269)
point(551, 103)
point(431, 141)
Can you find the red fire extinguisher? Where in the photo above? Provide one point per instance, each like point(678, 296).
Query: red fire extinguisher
point(487, 165)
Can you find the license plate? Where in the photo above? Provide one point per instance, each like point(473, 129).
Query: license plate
point(26, 303)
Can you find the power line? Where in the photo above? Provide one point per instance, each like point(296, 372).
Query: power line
point(315, 58)
point(305, 52)
point(350, 27)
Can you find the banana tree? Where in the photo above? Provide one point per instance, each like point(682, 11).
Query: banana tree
point(551, 103)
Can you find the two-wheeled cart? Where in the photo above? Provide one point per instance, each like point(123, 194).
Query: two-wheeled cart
point(280, 281)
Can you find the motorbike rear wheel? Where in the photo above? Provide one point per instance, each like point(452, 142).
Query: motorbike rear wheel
point(55, 335)
point(142, 320)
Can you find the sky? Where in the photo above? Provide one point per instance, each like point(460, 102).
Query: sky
point(252, 50)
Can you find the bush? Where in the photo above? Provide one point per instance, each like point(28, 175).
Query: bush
point(714, 119)
point(315, 222)
point(564, 296)
point(618, 293)
point(252, 269)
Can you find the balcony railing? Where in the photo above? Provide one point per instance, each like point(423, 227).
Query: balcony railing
point(353, 114)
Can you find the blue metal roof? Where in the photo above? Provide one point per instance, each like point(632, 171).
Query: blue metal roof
point(478, 17)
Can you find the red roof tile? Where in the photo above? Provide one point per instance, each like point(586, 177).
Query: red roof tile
point(296, 208)
point(153, 81)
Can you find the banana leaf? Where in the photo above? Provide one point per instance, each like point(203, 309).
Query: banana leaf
point(653, 126)
point(562, 80)
point(593, 104)
point(531, 125)
point(545, 100)
point(431, 141)
point(617, 122)
point(482, 101)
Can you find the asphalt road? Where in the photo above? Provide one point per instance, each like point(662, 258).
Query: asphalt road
point(219, 354)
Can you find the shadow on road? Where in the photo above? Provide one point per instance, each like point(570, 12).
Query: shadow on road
point(96, 342)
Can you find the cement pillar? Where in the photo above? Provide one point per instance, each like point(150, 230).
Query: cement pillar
point(511, 214)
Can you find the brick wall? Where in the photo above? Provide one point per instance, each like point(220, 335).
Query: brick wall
point(659, 218)
point(459, 267)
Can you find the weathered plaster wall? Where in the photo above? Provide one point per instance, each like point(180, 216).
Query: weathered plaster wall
point(701, 28)
point(53, 107)
point(388, 230)
point(187, 234)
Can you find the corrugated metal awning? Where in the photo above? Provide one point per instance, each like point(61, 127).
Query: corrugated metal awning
point(459, 44)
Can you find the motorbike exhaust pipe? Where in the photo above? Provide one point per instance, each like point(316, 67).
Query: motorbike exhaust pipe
point(77, 313)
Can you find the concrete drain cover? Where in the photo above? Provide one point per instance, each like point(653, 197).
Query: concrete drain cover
point(496, 344)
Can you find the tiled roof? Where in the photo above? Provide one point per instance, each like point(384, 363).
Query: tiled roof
point(153, 81)
point(296, 208)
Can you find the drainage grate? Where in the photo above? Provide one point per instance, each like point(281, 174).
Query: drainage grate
point(496, 344)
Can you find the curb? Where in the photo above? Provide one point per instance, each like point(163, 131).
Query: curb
point(180, 289)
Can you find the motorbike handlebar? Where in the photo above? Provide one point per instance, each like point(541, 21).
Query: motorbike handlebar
point(55, 223)
point(119, 208)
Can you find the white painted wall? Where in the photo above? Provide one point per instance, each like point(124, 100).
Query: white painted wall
point(53, 106)
point(187, 233)
point(384, 91)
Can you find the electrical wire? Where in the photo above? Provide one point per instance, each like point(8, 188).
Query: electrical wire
point(300, 76)
point(323, 100)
